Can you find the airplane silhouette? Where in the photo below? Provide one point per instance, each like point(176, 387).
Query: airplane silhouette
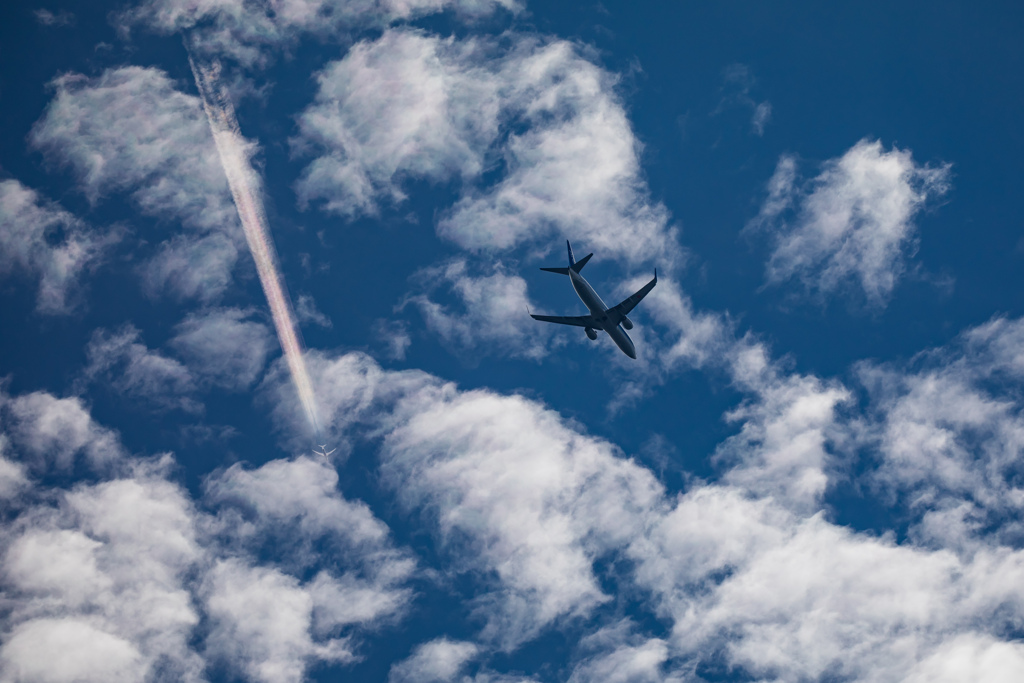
point(323, 451)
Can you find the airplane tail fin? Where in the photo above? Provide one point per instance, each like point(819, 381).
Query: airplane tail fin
point(574, 265)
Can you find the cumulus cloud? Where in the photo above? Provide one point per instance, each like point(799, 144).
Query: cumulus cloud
point(262, 619)
point(491, 318)
point(947, 433)
point(250, 32)
point(131, 130)
point(223, 347)
point(852, 224)
point(791, 599)
point(435, 119)
point(541, 111)
point(111, 579)
point(13, 479)
point(618, 655)
point(96, 582)
point(51, 433)
point(140, 373)
point(438, 661)
point(39, 238)
point(515, 492)
point(747, 571)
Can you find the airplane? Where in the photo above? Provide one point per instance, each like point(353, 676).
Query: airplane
point(323, 451)
point(611, 320)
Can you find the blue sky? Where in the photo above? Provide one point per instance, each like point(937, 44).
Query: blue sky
point(810, 473)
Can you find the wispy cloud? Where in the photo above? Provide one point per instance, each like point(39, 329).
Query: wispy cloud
point(490, 317)
point(252, 33)
point(48, 18)
point(130, 130)
point(42, 240)
point(434, 662)
point(121, 361)
point(854, 222)
point(738, 83)
point(223, 347)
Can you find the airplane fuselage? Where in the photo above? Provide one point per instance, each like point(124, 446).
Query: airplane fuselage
point(599, 311)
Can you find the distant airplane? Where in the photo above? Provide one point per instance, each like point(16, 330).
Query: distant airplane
point(611, 320)
point(323, 451)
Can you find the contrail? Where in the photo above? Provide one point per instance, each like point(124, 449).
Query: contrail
point(246, 189)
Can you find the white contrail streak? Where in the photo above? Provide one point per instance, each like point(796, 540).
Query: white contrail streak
point(246, 188)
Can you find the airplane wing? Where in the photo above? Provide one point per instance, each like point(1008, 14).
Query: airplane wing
point(629, 303)
point(577, 320)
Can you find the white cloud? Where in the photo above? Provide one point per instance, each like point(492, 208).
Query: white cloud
point(111, 579)
point(192, 267)
point(223, 347)
point(394, 336)
point(130, 130)
point(514, 491)
point(68, 651)
point(853, 222)
point(453, 110)
point(762, 114)
point(692, 339)
point(782, 448)
point(972, 658)
point(248, 31)
point(266, 618)
point(40, 238)
point(139, 373)
point(748, 572)
point(13, 479)
point(619, 656)
point(947, 434)
point(261, 621)
point(97, 583)
point(517, 493)
point(493, 319)
point(575, 171)
point(48, 18)
point(435, 119)
point(307, 312)
point(438, 661)
point(738, 82)
point(50, 432)
point(298, 507)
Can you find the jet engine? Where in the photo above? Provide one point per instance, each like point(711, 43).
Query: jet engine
point(591, 332)
point(627, 323)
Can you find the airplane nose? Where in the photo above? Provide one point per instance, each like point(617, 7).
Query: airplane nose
point(631, 352)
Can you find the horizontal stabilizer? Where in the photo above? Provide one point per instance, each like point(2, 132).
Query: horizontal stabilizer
point(578, 266)
point(560, 271)
point(575, 320)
